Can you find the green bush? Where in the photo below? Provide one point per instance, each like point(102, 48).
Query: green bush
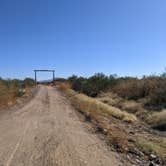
point(92, 86)
point(95, 84)
point(28, 82)
point(78, 84)
point(72, 78)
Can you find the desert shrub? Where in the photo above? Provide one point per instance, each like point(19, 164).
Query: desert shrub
point(157, 120)
point(157, 95)
point(7, 90)
point(130, 89)
point(3, 91)
point(28, 82)
point(10, 89)
point(72, 78)
point(99, 82)
point(153, 87)
point(112, 80)
point(19, 92)
point(93, 85)
point(78, 84)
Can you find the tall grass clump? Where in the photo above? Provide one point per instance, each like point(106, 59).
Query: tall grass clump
point(89, 105)
point(157, 120)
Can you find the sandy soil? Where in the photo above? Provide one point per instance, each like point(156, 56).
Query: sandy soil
point(47, 132)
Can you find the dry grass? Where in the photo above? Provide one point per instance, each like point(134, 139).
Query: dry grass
point(62, 85)
point(9, 94)
point(135, 108)
point(6, 95)
point(88, 104)
point(157, 119)
point(152, 88)
point(129, 106)
point(157, 147)
point(110, 99)
point(149, 144)
point(103, 116)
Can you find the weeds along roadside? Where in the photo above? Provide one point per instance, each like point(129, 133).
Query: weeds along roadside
point(11, 90)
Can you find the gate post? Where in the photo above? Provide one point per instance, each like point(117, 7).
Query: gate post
point(35, 77)
point(53, 76)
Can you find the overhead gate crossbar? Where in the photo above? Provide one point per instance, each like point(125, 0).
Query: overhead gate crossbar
point(52, 71)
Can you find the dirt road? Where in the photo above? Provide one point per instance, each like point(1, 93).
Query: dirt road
point(47, 132)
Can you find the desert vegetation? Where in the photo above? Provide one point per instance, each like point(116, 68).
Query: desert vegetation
point(92, 86)
point(88, 105)
point(151, 87)
point(125, 109)
point(11, 89)
point(142, 96)
point(157, 120)
point(122, 129)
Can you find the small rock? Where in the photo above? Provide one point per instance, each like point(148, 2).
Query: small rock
point(131, 140)
point(157, 161)
point(105, 131)
point(153, 164)
point(141, 154)
point(88, 117)
point(99, 129)
point(152, 157)
point(136, 152)
point(85, 162)
point(131, 132)
point(138, 161)
point(10, 103)
point(128, 157)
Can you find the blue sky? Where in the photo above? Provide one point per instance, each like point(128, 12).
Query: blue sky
point(126, 37)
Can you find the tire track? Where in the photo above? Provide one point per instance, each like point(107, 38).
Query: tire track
point(17, 146)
